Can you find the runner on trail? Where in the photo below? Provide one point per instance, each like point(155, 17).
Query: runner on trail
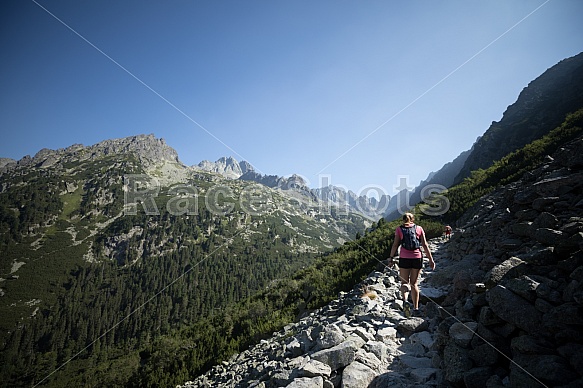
point(410, 260)
point(447, 232)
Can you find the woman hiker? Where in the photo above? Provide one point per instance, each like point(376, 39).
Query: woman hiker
point(411, 238)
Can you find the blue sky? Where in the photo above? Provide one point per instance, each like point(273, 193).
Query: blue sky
point(360, 91)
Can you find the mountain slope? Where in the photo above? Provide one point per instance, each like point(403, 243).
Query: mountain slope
point(90, 236)
point(540, 107)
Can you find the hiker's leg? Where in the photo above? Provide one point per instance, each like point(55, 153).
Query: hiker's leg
point(404, 274)
point(415, 287)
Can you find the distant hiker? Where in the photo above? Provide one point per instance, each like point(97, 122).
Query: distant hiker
point(447, 232)
point(411, 238)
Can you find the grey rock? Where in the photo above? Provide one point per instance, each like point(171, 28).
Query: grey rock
point(513, 267)
point(523, 286)
point(567, 313)
point(338, 356)
point(369, 359)
point(526, 370)
point(552, 186)
point(456, 362)
point(540, 256)
point(307, 382)
point(528, 344)
point(514, 309)
point(462, 333)
point(549, 237)
point(413, 325)
point(522, 229)
point(315, 368)
point(545, 220)
point(544, 203)
point(364, 334)
point(331, 336)
point(477, 377)
point(386, 334)
point(484, 355)
point(379, 349)
point(295, 347)
point(357, 375)
point(487, 317)
point(415, 362)
point(424, 338)
point(424, 375)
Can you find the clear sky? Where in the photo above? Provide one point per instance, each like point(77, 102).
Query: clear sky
point(360, 91)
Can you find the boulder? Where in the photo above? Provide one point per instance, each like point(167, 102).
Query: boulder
point(456, 362)
point(514, 309)
point(462, 333)
point(314, 368)
point(512, 267)
point(357, 375)
point(338, 356)
point(307, 382)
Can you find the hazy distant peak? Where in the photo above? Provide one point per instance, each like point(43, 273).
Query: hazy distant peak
point(227, 167)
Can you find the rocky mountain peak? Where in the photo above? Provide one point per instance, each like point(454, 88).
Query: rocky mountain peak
point(147, 148)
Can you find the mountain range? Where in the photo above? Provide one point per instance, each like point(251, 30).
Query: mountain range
point(331, 195)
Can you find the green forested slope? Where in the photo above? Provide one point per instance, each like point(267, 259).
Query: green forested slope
point(82, 278)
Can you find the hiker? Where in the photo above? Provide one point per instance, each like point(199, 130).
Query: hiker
point(447, 232)
point(411, 238)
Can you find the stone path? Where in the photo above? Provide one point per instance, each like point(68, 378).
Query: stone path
point(361, 339)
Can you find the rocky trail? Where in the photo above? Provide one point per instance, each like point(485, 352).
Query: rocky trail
point(361, 339)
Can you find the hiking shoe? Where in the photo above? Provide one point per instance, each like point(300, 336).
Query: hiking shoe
point(407, 309)
point(417, 313)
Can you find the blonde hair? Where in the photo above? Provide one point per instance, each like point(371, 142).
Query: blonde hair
point(408, 218)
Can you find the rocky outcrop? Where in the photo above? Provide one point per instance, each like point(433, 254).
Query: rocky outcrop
point(149, 150)
point(341, 198)
point(6, 161)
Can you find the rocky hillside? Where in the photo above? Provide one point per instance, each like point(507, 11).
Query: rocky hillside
point(146, 148)
point(503, 308)
point(517, 281)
